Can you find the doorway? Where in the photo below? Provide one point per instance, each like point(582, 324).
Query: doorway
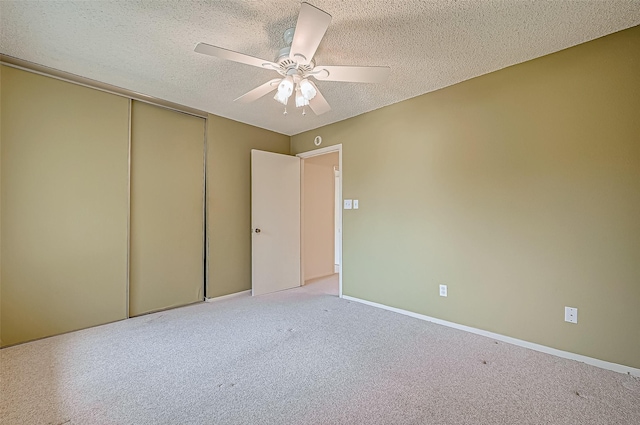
point(321, 219)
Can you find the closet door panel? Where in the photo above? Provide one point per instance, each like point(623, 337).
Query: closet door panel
point(167, 180)
point(64, 190)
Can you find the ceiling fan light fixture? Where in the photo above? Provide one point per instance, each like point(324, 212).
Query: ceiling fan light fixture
point(285, 89)
point(307, 89)
point(295, 63)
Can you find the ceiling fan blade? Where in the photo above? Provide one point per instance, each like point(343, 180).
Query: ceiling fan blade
point(310, 28)
point(259, 91)
point(219, 52)
point(352, 74)
point(319, 104)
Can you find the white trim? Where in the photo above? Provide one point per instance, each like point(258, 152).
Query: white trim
point(509, 340)
point(226, 297)
point(337, 230)
point(309, 154)
point(318, 276)
point(302, 224)
point(321, 151)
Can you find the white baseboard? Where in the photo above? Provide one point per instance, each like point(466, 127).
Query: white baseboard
point(226, 297)
point(317, 276)
point(526, 344)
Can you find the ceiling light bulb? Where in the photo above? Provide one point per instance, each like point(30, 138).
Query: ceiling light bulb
point(307, 89)
point(285, 88)
point(300, 99)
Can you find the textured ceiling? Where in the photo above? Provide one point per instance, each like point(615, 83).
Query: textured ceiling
point(147, 46)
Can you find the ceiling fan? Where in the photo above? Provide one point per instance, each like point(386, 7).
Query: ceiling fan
point(295, 64)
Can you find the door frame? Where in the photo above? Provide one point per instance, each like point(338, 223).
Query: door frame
point(303, 156)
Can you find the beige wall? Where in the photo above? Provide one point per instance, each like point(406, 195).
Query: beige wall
point(85, 134)
point(1, 68)
point(64, 206)
point(519, 189)
point(229, 197)
point(319, 215)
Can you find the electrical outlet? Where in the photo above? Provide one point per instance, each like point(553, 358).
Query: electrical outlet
point(443, 290)
point(571, 314)
point(347, 204)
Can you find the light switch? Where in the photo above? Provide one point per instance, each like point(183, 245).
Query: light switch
point(347, 204)
point(355, 204)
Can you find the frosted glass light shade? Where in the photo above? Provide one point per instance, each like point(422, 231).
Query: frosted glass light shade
point(307, 89)
point(285, 89)
point(300, 99)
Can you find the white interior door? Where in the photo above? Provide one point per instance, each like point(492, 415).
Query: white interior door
point(275, 222)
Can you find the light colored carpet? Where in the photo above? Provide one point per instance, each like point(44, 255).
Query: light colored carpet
point(299, 357)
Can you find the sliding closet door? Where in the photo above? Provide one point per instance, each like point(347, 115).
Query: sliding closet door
point(167, 179)
point(64, 206)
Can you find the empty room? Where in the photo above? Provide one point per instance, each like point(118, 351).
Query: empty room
point(319, 212)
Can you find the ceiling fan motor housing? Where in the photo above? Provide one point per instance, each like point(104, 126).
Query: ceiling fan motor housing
point(290, 67)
